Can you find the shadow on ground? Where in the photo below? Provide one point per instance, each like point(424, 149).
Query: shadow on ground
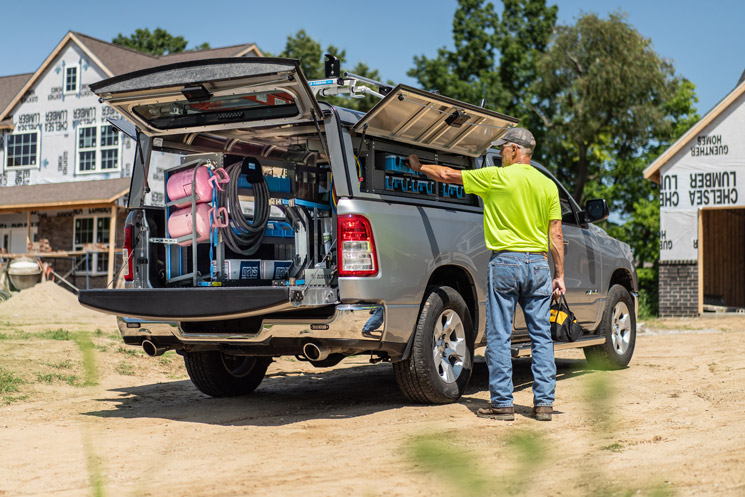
point(290, 397)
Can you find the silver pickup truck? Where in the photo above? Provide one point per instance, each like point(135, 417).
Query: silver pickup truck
point(265, 222)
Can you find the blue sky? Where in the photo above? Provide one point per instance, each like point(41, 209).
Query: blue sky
point(699, 37)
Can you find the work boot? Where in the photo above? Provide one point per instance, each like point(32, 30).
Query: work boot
point(500, 413)
point(543, 413)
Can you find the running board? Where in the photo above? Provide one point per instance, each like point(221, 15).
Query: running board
point(523, 349)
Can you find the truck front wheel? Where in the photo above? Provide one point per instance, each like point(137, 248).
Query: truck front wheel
point(618, 326)
point(223, 375)
point(441, 358)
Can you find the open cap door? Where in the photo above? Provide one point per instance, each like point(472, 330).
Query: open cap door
point(212, 94)
point(429, 120)
point(124, 126)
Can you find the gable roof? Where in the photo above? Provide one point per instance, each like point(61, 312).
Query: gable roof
point(117, 59)
point(652, 172)
point(60, 195)
point(112, 59)
point(10, 86)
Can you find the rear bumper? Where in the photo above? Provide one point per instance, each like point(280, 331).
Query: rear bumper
point(350, 322)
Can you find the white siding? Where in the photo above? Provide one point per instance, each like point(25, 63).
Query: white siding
point(709, 171)
point(57, 115)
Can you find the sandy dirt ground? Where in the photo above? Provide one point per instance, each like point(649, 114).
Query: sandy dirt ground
point(82, 414)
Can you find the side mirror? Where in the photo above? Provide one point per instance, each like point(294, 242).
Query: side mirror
point(596, 210)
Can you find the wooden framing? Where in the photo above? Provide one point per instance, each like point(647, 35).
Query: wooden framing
point(721, 238)
point(112, 244)
point(28, 229)
point(700, 261)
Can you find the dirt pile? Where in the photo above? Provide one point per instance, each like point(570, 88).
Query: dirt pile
point(49, 303)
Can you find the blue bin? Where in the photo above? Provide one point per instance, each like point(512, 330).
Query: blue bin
point(395, 164)
point(281, 185)
point(279, 229)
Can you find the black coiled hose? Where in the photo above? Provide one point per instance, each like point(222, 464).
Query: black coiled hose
point(241, 236)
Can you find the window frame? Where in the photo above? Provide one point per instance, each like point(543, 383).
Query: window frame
point(103, 148)
point(7, 166)
point(97, 260)
point(98, 150)
point(65, 80)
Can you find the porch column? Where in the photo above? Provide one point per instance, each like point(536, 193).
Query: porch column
point(112, 244)
point(28, 231)
point(700, 261)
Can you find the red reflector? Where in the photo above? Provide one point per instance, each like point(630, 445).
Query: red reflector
point(129, 274)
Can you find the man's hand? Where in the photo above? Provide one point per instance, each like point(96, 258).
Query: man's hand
point(443, 174)
point(414, 163)
point(559, 286)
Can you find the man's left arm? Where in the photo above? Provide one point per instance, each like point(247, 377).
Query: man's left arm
point(556, 242)
point(442, 174)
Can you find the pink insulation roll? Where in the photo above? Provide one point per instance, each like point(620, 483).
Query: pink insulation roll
point(180, 223)
point(179, 184)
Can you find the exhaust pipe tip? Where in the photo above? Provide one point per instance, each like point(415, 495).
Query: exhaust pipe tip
point(314, 352)
point(153, 350)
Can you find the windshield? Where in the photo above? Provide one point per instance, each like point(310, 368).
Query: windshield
point(219, 110)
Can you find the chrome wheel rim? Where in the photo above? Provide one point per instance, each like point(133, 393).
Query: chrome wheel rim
point(450, 348)
point(621, 328)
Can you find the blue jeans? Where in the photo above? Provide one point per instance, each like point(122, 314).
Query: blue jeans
point(524, 278)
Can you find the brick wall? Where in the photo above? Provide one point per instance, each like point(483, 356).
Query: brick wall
point(678, 289)
point(59, 231)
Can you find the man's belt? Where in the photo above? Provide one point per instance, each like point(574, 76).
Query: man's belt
point(497, 252)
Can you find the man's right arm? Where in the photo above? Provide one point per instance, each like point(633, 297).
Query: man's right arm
point(442, 174)
point(556, 242)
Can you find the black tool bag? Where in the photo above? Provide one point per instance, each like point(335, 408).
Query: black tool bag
point(564, 327)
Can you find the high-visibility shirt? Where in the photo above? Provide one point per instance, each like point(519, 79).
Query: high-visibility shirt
point(519, 202)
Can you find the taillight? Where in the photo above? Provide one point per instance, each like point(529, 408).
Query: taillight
point(129, 274)
point(356, 246)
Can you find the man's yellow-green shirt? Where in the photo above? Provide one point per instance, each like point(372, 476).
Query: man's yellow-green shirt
point(519, 201)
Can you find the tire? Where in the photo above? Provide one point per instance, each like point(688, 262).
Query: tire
point(618, 326)
point(4, 296)
point(441, 360)
point(223, 375)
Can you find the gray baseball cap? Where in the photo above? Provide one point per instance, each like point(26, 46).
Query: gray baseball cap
point(520, 136)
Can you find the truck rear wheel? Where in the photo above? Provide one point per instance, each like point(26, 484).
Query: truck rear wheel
point(223, 375)
point(441, 358)
point(618, 326)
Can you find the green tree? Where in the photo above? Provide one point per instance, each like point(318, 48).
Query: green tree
point(493, 61)
point(602, 93)
point(308, 51)
point(310, 54)
point(642, 226)
point(159, 42)
point(611, 105)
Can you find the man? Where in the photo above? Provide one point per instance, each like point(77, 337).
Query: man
point(521, 214)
